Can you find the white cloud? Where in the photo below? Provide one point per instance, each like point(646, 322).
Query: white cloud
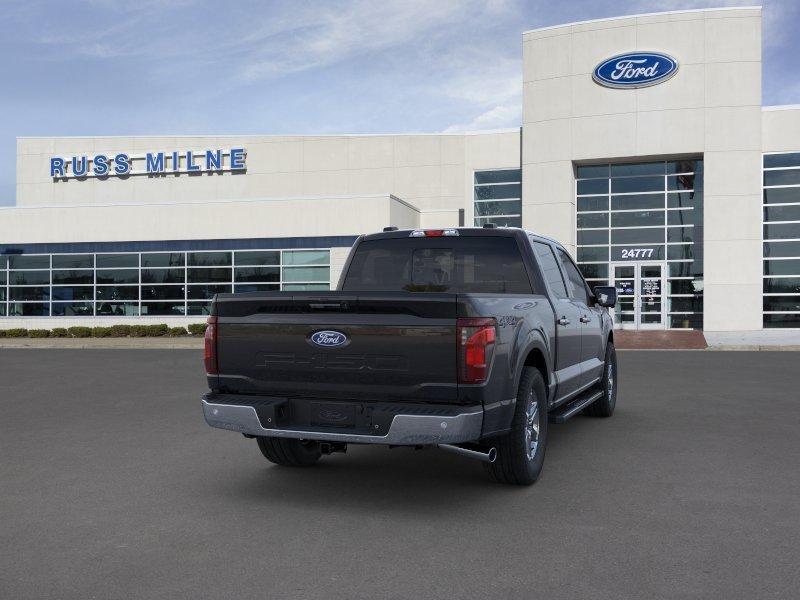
point(323, 37)
point(497, 117)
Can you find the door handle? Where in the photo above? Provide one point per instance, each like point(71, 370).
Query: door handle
point(585, 319)
point(564, 321)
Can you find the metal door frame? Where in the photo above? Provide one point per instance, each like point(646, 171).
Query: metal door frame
point(637, 324)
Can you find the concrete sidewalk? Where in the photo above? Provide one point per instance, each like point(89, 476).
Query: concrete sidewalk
point(763, 339)
point(151, 343)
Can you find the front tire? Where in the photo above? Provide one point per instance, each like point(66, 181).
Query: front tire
point(289, 453)
point(604, 406)
point(520, 453)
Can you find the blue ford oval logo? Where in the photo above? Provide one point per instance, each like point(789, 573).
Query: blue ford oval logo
point(329, 339)
point(635, 70)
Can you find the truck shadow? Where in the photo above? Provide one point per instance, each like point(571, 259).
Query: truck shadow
point(400, 480)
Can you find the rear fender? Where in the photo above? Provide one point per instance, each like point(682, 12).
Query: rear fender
point(498, 419)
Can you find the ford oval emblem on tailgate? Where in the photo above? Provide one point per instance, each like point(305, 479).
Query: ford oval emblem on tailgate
point(329, 339)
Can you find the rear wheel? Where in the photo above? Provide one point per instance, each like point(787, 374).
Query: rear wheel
point(520, 453)
point(289, 453)
point(604, 406)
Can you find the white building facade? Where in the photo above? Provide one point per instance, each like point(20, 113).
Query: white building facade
point(674, 184)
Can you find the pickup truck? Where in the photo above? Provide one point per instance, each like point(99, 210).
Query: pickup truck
point(467, 339)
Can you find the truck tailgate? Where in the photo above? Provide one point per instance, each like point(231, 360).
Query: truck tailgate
point(395, 346)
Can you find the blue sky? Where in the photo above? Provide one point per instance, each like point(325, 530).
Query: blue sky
point(149, 67)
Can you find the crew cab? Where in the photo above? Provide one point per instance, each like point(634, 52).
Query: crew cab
point(467, 339)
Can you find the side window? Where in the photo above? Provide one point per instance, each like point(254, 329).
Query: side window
point(550, 270)
point(575, 279)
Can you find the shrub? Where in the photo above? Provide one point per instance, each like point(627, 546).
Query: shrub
point(157, 330)
point(16, 332)
point(80, 332)
point(138, 330)
point(197, 328)
point(177, 331)
point(2, 333)
point(59, 332)
point(120, 330)
point(38, 333)
point(101, 332)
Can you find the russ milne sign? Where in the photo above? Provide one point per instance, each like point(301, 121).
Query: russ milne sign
point(150, 163)
point(635, 70)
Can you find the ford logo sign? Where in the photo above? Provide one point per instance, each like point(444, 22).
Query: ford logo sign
point(329, 339)
point(635, 70)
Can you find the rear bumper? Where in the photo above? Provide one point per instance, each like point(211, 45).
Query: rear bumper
point(404, 427)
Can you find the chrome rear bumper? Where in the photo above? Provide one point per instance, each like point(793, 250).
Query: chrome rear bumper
point(405, 430)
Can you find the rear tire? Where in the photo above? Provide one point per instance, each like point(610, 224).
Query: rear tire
point(604, 406)
point(289, 453)
point(520, 453)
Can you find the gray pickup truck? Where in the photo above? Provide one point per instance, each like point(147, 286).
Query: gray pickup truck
point(468, 339)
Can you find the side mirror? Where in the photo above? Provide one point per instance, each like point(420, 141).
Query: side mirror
point(605, 295)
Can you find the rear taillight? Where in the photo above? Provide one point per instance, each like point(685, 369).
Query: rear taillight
point(476, 338)
point(210, 354)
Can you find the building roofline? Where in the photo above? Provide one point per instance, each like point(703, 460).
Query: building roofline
point(388, 195)
point(652, 14)
point(781, 107)
point(266, 135)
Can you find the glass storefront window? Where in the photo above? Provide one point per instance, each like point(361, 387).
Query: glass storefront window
point(206, 292)
point(653, 212)
point(72, 309)
point(497, 198)
point(256, 287)
point(781, 213)
point(117, 276)
point(209, 259)
point(73, 261)
point(257, 258)
point(29, 261)
point(29, 293)
point(163, 309)
point(163, 292)
point(625, 185)
point(118, 309)
point(150, 283)
point(28, 309)
point(163, 259)
point(305, 257)
point(782, 267)
point(117, 292)
point(306, 274)
point(638, 218)
point(84, 292)
point(590, 220)
point(66, 277)
point(214, 275)
point(304, 287)
point(29, 278)
point(115, 261)
point(593, 236)
point(243, 274)
point(163, 276)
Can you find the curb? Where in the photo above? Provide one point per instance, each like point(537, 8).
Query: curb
point(104, 343)
point(756, 347)
point(721, 348)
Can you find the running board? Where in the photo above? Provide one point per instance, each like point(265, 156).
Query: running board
point(573, 407)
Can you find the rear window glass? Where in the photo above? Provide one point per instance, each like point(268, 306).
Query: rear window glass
point(447, 264)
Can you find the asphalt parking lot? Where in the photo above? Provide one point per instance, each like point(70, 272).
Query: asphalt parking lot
point(112, 486)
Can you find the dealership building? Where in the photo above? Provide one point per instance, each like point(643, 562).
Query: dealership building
point(644, 149)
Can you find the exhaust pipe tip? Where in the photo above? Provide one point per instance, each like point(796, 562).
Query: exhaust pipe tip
point(487, 457)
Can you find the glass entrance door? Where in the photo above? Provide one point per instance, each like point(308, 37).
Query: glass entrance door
point(640, 295)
